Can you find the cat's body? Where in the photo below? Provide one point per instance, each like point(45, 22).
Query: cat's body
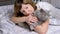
point(41, 15)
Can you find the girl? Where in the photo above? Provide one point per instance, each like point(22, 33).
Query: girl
point(23, 10)
point(23, 15)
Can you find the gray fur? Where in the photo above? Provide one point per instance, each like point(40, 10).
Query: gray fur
point(41, 15)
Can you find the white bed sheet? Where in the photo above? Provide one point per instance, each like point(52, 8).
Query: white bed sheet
point(54, 26)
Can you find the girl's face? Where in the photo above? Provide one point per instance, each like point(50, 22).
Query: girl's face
point(27, 9)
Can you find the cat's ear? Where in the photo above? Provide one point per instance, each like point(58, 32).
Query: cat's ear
point(43, 11)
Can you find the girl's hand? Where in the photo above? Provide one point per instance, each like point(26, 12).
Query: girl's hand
point(31, 19)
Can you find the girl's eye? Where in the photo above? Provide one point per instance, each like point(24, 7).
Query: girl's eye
point(23, 11)
point(26, 7)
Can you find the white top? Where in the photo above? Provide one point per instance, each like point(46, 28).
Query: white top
point(54, 12)
point(43, 5)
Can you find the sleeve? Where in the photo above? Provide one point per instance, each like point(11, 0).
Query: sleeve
point(49, 7)
point(43, 5)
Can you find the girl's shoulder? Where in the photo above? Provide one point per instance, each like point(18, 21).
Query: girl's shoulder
point(43, 5)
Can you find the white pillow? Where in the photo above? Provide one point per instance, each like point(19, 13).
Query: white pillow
point(6, 10)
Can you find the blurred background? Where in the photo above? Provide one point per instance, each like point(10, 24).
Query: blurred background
point(55, 3)
point(6, 2)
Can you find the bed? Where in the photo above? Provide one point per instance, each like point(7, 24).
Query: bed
point(54, 24)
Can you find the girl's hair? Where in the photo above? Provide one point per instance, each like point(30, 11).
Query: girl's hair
point(18, 6)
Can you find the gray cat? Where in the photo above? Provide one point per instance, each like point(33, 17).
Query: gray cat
point(41, 15)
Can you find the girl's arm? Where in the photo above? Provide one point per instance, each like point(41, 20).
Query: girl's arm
point(42, 29)
point(18, 19)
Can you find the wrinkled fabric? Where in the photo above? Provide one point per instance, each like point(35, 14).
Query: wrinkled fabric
point(8, 27)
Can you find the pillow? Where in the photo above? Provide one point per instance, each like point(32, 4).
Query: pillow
point(6, 10)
